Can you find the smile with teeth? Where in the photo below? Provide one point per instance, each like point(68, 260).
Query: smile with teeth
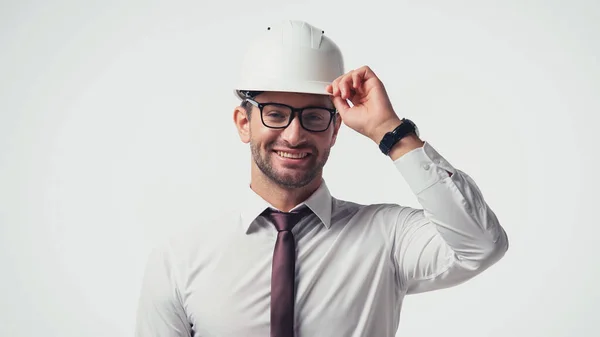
point(292, 155)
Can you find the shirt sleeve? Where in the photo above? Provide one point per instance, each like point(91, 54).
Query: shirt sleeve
point(160, 312)
point(455, 235)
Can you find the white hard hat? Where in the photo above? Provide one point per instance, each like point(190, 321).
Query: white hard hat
point(292, 56)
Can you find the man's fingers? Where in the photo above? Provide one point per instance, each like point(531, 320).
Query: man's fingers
point(337, 86)
point(340, 86)
point(356, 80)
point(351, 82)
point(365, 73)
point(347, 86)
point(340, 104)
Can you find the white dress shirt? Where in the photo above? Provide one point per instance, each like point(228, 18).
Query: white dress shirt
point(355, 263)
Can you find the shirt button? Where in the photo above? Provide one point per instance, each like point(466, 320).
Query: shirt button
point(426, 166)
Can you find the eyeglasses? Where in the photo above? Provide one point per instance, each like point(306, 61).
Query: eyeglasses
point(280, 116)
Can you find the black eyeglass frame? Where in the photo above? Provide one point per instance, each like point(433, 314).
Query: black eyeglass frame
point(299, 111)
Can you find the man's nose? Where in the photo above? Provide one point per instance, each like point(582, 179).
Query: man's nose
point(294, 134)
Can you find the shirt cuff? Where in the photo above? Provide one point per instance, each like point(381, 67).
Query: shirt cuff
point(423, 167)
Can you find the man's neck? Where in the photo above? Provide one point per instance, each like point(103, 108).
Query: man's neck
point(283, 198)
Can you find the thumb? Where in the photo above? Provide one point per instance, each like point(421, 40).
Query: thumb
point(341, 105)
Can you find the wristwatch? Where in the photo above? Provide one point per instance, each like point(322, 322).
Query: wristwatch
point(391, 138)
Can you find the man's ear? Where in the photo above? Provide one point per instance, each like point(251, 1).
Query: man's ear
point(242, 123)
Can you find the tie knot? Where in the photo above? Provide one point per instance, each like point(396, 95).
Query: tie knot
point(285, 221)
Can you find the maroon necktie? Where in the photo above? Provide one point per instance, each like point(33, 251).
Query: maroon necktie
point(283, 271)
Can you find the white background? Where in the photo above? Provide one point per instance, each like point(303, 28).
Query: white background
point(116, 127)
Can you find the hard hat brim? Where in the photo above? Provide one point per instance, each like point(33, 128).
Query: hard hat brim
point(307, 87)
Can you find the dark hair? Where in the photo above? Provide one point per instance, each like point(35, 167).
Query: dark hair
point(247, 107)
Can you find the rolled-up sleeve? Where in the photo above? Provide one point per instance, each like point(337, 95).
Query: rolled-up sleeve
point(160, 312)
point(455, 235)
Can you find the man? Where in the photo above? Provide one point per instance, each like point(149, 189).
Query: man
point(290, 259)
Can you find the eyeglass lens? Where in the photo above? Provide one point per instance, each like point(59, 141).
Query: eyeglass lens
point(277, 116)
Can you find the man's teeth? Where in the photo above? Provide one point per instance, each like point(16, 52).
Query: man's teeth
point(292, 155)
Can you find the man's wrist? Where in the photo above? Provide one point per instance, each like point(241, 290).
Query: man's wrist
point(384, 128)
point(408, 143)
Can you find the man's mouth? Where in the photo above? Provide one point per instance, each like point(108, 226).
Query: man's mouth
point(292, 155)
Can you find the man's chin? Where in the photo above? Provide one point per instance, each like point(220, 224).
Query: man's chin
point(291, 180)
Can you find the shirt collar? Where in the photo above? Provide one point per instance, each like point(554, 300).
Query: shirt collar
point(319, 203)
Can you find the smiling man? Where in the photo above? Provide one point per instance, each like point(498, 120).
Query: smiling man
point(292, 260)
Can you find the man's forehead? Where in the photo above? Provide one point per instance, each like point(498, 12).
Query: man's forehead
point(294, 99)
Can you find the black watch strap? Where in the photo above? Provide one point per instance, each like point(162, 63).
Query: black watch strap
point(391, 138)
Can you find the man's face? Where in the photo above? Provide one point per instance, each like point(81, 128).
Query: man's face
point(291, 157)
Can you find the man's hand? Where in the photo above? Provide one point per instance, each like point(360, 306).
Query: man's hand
point(372, 113)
